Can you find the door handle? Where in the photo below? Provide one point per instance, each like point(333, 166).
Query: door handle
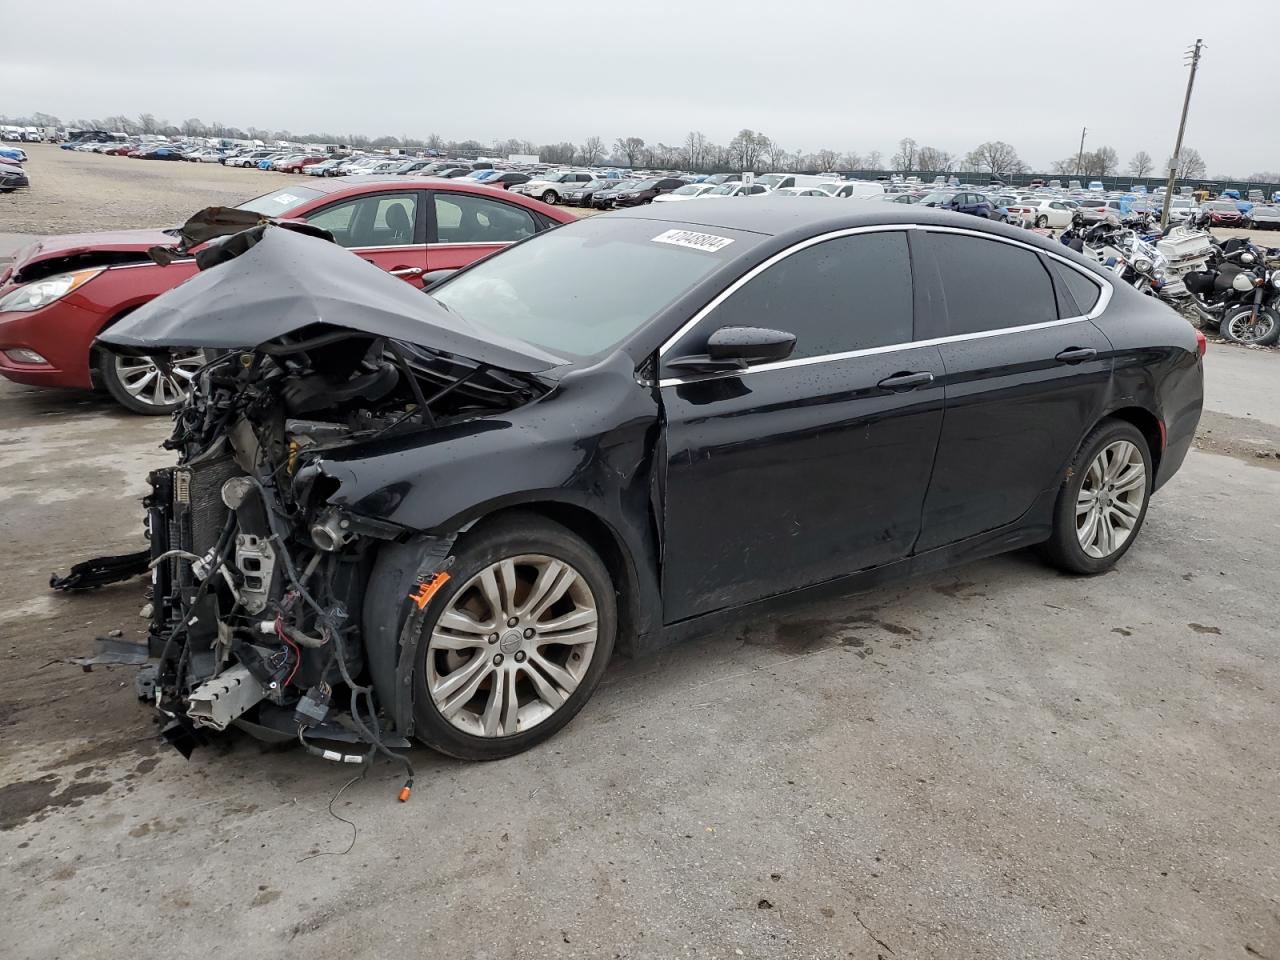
point(406, 272)
point(901, 382)
point(1076, 355)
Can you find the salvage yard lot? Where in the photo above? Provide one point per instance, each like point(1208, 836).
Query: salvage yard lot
point(998, 761)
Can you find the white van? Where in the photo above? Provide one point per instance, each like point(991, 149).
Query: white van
point(854, 189)
point(776, 181)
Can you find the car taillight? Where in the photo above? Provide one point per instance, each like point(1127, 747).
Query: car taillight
point(1201, 343)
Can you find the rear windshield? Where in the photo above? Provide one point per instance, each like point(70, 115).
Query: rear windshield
point(282, 202)
point(580, 290)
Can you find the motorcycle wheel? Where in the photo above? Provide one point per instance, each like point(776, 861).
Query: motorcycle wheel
point(1264, 333)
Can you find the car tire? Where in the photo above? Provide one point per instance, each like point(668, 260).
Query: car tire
point(1042, 222)
point(1235, 328)
point(1101, 475)
point(160, 394)
point(550, 197)
point(534, 672)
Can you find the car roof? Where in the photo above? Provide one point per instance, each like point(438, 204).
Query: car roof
point(775, 216)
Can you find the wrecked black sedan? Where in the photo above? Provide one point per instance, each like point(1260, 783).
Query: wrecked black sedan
point(397, 514)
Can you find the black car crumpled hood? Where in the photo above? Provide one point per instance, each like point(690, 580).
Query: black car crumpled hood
point(288, 281)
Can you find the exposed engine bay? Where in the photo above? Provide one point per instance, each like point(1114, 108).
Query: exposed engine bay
point(257, 580)
point(258, 567)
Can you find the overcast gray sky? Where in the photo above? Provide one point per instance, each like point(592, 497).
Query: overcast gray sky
point(845, 75)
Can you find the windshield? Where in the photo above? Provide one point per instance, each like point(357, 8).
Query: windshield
point(771, 179)
point(282, 202)
point(936, 198)
point(580, 290)
point(646, 185)
point(724, 189)
point(1221, 205)
point(689, 190)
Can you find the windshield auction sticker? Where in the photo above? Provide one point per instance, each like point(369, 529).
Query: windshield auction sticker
point(695, 241)
point(286, 198)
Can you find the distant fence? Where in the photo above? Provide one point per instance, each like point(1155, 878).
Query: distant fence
point(1110, 183)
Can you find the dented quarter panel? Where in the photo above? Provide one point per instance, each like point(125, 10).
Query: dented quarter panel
point(588, 443)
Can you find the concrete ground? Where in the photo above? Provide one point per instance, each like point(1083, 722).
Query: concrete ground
point(994, 762)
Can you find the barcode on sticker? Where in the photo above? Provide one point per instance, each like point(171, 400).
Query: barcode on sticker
point(286, 198)
point(695, 241)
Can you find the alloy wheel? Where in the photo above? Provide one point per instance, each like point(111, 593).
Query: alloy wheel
point(512, 645)
point(158, 381)
point(1111, 499)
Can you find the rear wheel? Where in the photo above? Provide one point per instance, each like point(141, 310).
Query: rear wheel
point(1042, 221)
point(515, 642)
point(1102, 501)
point(149, 385)
point(1236, 327)
point(549, 196)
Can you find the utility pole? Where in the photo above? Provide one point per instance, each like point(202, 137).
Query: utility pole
point(1177, 147)
point(1080, 155)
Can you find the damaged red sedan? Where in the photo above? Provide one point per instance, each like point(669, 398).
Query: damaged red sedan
point(61, 292)
point(396, 514)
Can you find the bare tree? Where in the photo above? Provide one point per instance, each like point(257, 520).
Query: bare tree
point(852, 161)
point(933, 159)
point(905, 158)
point(826, 160)
point(192, 127)
point(591, 151)
point(996, 157)
point(147, 122)
point(1265, 176)
point(629, 148)
point(1191, 165)
point(747, 147)
point(776, 156)
point(695, 149)
point(1141, 164)
point(874, 160)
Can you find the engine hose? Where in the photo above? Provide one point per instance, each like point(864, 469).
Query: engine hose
point(224, 541)
point(339, 646)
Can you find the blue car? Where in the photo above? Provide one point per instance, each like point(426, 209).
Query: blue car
point(962, 201)
point(13, 153)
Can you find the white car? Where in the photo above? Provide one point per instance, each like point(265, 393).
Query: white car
point(1041, 212)
point(688, 192)
point(206, 156)
point(854, 189)
point(801, 192)
point(378, 166)
point(550, 187)
point(735, 189)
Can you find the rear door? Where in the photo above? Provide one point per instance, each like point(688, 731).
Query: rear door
point(387, 228)
point(1026, 375)
point(792, 473)
point(463, 227)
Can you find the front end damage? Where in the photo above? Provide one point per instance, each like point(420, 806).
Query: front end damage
point(259, 567)
point(258, 580)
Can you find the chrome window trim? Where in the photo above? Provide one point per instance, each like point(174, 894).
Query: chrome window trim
point(1104, 298)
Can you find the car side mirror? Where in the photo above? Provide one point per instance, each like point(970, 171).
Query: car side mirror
point(736, 348)
point(432, 277)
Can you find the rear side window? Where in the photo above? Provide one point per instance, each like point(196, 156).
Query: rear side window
point(1082, 290)
point(850, 293)
point(989, 285)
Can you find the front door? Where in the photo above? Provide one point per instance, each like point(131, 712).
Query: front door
point(800, 471)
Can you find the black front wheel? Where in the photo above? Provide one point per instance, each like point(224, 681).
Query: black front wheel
point(1240, 326)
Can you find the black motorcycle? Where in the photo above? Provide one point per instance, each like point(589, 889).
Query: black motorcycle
point(1239, 294)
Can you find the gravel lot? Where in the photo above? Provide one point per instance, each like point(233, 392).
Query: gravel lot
point(996, 762)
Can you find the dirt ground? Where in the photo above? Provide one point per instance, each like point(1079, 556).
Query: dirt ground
point(995, 762)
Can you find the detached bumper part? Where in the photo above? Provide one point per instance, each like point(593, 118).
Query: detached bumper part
point(102, 570)
point(215, 703)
